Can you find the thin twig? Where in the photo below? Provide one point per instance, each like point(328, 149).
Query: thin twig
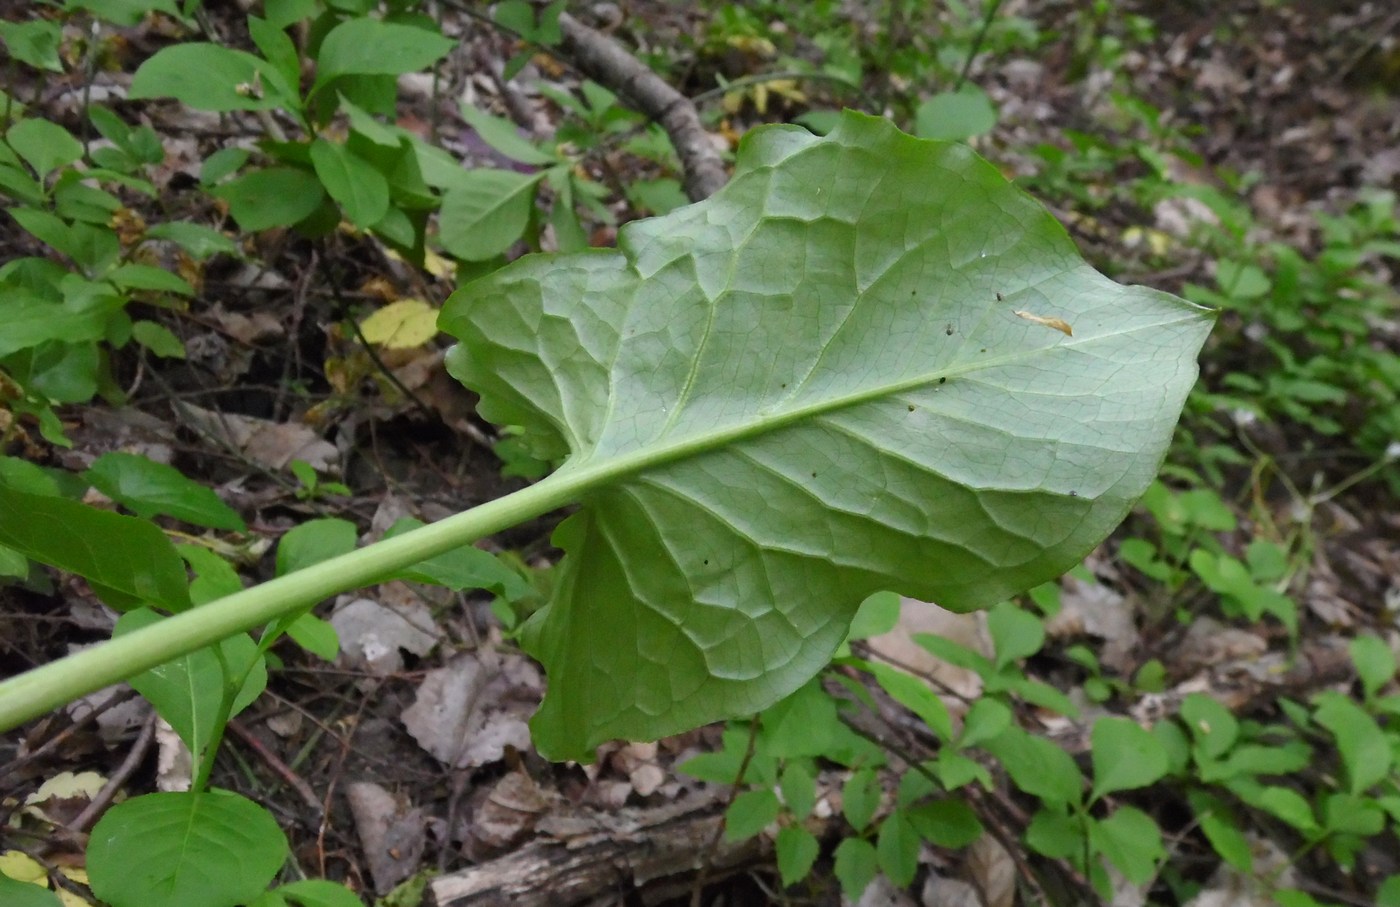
point(977, 43)
point(281, 769)
point(707, 861)
point(83, 821)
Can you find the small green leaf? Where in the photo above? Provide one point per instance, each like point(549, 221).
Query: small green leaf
point(222, 163)
point(196, 239)
point(364, 46)
point(152, 489)
point(1365, 751)
point(363, 123)
point(915, 695)
point(93, 248)
point(1287, 805)
point(750, 813)
point(801, 724)
point(158, 339)
point(877, 614)
point(1252, 760)
point(1125, 756)
point(128, 561)
point(214, 576)
point(189, 691)
point(946, 823)
point(855, 866)
point(274, 197)
point(147, 277)
point(1292, 897)
point(314, 541)
point(799, 789)
point(501, 135)
point(125, 13)
point(1388, 895)
point(214, 849)
point(1222, 829)
point(987, 718)
point(277, 48)
point(486, 212)
point(860, 797)
point(35, 43)
point(318, 893)
point(315, 636)
point(209, 77)
point(568, 232)
point(1211, 725)
point(14, 893)
point(722, 766)
point(45, 146)
point(897, 848)
point(1131, 841)
point(1037, 766)
point(955, 115)
point(1015, 633)
point(797, 851)
point(30, 321)
point(467, 567)
point(354, 183)
point(1375, 663)
point(1352, 815)
point(1056, 835)
point(955, 770)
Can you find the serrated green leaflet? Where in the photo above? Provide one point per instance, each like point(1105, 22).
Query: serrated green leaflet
point(838, 375)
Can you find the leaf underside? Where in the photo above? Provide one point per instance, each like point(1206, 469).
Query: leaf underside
point(807, 388)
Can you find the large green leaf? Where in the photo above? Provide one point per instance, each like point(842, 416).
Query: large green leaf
point(127, 561)
point(812, 386)
point(210, 77)
point(486, 212)
point(152, 489)
point(363, 46)
point(188, 692)
point(215, 848)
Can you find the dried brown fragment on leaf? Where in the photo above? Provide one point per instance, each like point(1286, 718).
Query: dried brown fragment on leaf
point(1058, 324)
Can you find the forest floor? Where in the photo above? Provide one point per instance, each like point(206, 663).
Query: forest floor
point(373, 784)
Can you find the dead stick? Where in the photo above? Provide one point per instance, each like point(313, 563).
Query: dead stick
point(601, 58)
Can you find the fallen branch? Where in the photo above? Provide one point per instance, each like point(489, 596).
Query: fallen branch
point(605, 61)
point(654, 854)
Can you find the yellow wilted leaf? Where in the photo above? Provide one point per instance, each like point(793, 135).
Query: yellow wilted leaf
point(1058, 324)
point(436, 265)
point(22, 868)
point(66, 785)
point(401, 325)
point(69, 899)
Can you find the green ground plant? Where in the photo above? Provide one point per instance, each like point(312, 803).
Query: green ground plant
point(640, 395)
point(655, 465)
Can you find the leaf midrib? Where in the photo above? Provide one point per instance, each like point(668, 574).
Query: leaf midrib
point(581, 472)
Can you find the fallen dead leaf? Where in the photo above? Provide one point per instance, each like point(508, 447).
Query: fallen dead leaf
point(898, 648)
point(467, 713)
point(993, 872)
point(391, 833)
point(272, 445)
point(62, 797)
point(174, 767)
point(507, 815)
point(373, 635)
point(1096, 610)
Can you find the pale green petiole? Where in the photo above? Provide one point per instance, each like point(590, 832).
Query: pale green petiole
point(36, 692)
